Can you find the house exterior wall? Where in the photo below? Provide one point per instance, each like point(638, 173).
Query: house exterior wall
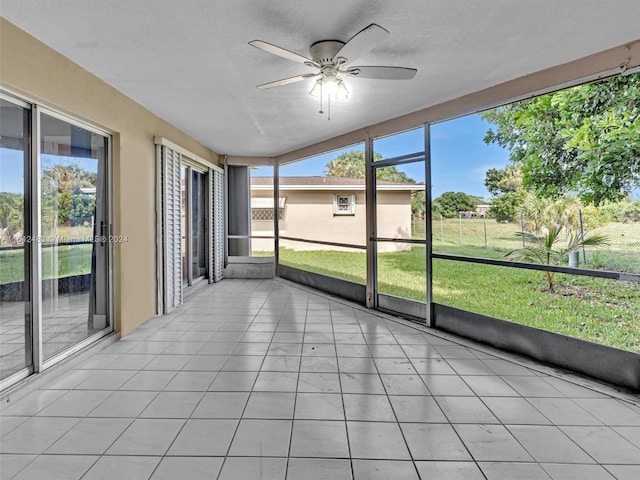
point(309, 215)
point(36, 73)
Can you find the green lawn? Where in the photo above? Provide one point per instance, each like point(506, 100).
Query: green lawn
point(71, 260)
point(622, 254)
point(598, 310)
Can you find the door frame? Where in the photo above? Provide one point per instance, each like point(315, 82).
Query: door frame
point(33, 267)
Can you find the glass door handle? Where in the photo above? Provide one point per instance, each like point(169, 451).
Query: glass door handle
point(103, 237)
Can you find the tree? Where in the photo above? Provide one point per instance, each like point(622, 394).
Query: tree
point(450, 203)
point(584, 139)
point(542, 248)
point(492, 178)
point(352, 165)
point(503, 180)
point(631, 212)
point(62, 196)
point(418, 205)
point(507, 206)
point(348, 165)
point(505, 185)
point(541, 212)
point(59, 178)
point(11, 216)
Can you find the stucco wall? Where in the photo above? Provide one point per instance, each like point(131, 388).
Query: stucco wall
point(309, 215)
point(33, 71)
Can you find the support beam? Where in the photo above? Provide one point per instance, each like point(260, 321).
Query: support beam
point(372, 260)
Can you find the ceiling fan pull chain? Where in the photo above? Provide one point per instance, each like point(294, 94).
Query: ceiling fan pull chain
point(320, 111)
point(328, 107)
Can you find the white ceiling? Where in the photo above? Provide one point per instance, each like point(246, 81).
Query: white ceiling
point(189, 61)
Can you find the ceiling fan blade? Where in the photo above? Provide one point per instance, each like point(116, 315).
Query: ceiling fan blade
point(279, 51)
point(287, 81)
point(382, 73)
point(363, 41)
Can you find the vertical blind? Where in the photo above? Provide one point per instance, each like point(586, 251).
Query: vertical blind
point(217, 182)
point(171, 165)
point(170, 261)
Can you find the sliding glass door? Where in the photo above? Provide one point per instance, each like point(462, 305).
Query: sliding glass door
point(198, 226)
point(54, 238)
point(15, 321)
point(194, 225)
point(75, 234)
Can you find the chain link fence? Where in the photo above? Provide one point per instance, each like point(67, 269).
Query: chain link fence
point(478, 236)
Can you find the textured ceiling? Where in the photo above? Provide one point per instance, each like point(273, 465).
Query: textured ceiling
point(190, 63)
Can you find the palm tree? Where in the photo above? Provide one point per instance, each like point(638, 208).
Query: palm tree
point(542, 248)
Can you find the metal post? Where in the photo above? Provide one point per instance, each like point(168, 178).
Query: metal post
point(36, 247)
point(441, 230)
point(370, 202)
point(484, 224)
point(428, 234)
point(584, 253)
point(460, 221)
point(276, 220)
point(524, 242)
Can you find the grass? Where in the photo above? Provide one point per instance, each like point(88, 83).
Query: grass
point(71, 260)
point(622, 255)
point(599, 310)
point(594, 309)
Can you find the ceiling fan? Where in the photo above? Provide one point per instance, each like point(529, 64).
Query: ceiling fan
point(332, 60)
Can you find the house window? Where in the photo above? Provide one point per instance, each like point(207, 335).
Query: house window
point(344, 204)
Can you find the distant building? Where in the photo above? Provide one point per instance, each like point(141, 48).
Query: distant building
point(482, 210)
point(329, 209)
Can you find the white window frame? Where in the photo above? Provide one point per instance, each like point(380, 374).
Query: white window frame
point(351, 198)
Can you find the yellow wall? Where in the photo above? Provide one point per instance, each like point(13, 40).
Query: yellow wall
point(309, 215)
point(33, 71)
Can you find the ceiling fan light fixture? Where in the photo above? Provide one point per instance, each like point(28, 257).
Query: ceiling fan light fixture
point(330, 86)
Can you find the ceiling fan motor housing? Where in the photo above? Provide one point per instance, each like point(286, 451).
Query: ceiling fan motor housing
point(323, 52)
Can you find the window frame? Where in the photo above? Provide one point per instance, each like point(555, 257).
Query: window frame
point(336, 204)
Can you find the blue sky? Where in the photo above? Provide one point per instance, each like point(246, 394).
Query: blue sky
point(459, 156)
point(11, 171)
point(11, 167)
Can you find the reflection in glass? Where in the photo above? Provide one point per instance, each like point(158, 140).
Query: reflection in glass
point(15, 330)
point(194, 225)
point(73, 215)
point(198, 225)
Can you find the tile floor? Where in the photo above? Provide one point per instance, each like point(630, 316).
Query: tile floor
point(64, 323)
point(268, 380)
